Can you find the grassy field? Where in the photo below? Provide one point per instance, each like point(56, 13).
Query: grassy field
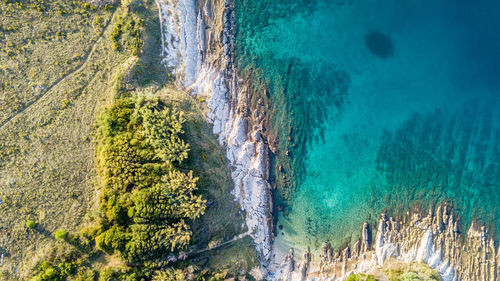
point(47, 157)
point(59, 65)
point(42, 43)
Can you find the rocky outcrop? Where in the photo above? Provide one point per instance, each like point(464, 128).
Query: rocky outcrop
point(434, 238)
point(198, 47)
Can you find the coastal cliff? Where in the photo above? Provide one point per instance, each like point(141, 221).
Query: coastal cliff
point(197, 40)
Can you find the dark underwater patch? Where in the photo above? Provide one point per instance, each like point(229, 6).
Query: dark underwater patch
point(379, 44)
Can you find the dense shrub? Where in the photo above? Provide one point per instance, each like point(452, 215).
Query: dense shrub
point(30, 224)
point(61, 234)
point(145, 199)
point(50, 272)
point(360, 277)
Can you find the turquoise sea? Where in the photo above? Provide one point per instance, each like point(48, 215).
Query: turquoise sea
point(382, 105)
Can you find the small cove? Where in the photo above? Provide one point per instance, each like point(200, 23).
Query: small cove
point(383, 105)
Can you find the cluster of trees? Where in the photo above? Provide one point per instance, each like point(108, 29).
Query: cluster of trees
point(49, 271)
point(146, 201)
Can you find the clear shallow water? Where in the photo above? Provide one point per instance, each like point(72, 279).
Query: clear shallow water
point(393, 104)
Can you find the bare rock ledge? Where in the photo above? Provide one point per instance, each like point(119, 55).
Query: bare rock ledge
point(433, 238)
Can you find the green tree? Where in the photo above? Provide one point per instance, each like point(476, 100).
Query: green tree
point(146, 201)
point(30, 224)
point(61, 234)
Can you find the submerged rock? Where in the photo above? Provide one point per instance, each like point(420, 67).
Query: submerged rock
point(379, 44)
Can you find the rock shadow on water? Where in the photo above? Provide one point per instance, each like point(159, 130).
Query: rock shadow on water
point(379, 44)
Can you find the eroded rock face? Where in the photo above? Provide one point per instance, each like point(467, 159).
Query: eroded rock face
point(198, 47)
point(434, 239)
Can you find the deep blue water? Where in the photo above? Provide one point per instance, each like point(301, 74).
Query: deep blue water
point(383, 105)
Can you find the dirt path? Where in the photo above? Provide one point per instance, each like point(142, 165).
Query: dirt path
point(174, 259)
point(235, 238)
point(72, 73)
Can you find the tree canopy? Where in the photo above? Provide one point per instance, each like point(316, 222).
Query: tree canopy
point(145, 199)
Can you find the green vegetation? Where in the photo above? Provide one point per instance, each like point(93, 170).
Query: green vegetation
point(411, 272)
point(145, 199)
point(127, 31)
point(361, 277)
point(398, 271)
point(61, 234)
point(30, 224)
point(61, 74)
point(414, 275)
point(47, 271)
point(148, 200)
point(71, 260)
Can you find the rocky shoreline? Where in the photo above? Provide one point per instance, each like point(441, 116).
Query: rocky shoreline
point(198, 47)
point(433, 238)
point(197, 42)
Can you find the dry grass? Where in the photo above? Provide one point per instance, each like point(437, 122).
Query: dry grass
point(47, 153)
point(223, 220)
point(52, 88)
point(38, 48)
point(237, 258)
